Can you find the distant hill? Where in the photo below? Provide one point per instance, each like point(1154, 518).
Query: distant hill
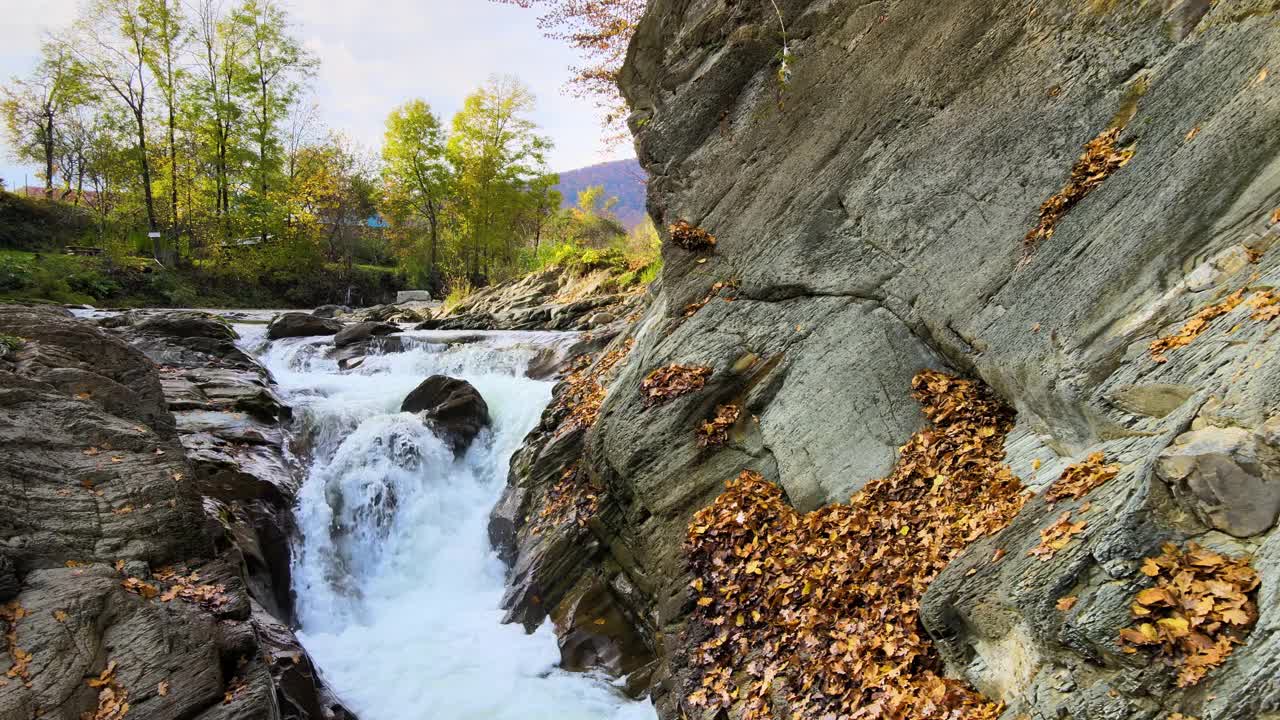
point(623, 179)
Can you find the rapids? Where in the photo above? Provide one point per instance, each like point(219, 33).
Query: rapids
point(397, 588)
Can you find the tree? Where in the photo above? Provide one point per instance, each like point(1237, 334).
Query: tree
point(600, 30)
point(416, 175)
point(34, 109)
point(276, 67)
point(112, 45)
point(220, 47)
point(334, 194)
point(498, 153)
point(163, 21)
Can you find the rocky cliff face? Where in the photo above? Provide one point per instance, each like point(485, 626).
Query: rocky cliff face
point(146, 510)
point(1072, 203)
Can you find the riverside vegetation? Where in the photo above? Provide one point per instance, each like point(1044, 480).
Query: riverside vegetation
point(183, 132)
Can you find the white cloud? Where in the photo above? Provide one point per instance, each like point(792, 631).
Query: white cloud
point(377, 54)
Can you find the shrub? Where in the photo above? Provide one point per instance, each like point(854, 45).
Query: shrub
point(460, 289)
point(14, 274)
point(8, 344)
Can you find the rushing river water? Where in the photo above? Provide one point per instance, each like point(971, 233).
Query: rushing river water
point(397, 588)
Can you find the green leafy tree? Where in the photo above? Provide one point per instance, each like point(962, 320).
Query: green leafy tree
point(112, 45)
point(163, 22)
point(35, 109)
point(220, 46)
point(276, 67)
point(498, 154)
point(416, 175)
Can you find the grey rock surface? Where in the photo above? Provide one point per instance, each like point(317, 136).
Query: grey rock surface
point(870, 216)
point(360, 332)
point(297, 324)
point(1229, 477)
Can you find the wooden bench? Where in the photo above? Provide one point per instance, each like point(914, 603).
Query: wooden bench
point(81, 250)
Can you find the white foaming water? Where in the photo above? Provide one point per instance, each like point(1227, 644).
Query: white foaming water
point(397, 588)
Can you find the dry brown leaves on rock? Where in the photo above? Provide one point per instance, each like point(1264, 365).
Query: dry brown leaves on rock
point(573, 499)
point(188, 588)
point(181, 587)
point(1056, 536)
point(691, 237)
point(1194, 327)
point(1265, 305)
point(822, 610)
point(1199, 610)
point(1101, 158)
point(715, 431)
point(1081, 479)
point(140, 587)
point(11, 613)
point(584, 391)
point(113, 700)
point(672, 381)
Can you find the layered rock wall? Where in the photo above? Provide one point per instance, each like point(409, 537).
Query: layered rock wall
point(1029, 194)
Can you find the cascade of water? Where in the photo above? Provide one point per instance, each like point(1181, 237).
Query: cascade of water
point(397, 588)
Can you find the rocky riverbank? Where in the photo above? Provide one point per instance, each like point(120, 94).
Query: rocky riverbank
point(1074, 205)
point(147, 488)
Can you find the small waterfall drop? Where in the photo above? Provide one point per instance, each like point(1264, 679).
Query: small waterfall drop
point(397, 588)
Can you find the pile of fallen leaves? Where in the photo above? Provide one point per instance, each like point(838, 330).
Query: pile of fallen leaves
point(189, 589)
point(1057, 536)
point(585, 389)
point(113, 700)
point(1193, 327)
point(1198, 611)
point(715, 431)
point(182, 587)
point(672, 381)
point(821, 611)
point(1080, 479)
point(573, 499)
point(11, 613)
point(1101, 158)
point(691, 237)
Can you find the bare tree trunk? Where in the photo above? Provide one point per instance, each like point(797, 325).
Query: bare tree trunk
point(146, 179)
point(48, 157)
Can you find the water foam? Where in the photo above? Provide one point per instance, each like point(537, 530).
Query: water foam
point(399, 605)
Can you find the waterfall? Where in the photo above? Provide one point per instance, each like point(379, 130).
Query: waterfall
point(397, 588)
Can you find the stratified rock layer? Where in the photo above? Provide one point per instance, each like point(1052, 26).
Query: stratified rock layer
point(870, 206)
point(144, 524)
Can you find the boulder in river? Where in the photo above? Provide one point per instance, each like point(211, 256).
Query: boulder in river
point(452, 407)
point(298, 324)
point(330, 311)
point(187, 324)
point(352, 334)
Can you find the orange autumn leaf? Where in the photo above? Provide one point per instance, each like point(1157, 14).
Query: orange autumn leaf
point(1198, 611)
point(1082, 478)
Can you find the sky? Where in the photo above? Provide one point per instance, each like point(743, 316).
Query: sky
point(375, 54)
